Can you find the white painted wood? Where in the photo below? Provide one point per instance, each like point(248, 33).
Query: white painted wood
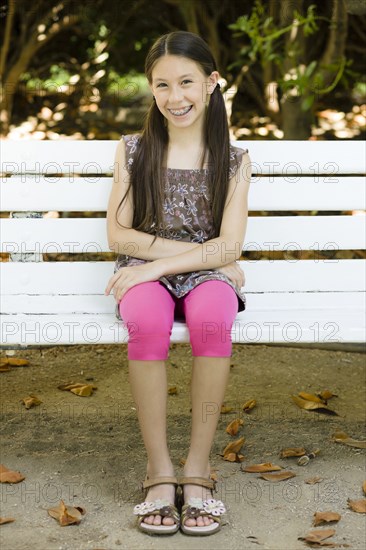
point(42, 194)
point(99, 304)
point(263, 233)
point(312, 326)
point(267, 156)
point(90, 278)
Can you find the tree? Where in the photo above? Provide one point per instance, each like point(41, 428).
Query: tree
point(297, 64)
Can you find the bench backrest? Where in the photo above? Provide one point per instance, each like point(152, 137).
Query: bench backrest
point(71, 177)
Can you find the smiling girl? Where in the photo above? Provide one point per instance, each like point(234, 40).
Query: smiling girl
point(177, 218)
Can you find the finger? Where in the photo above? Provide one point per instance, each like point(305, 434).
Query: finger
point(111, 283)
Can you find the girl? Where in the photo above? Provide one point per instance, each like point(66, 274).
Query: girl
point(177, 218)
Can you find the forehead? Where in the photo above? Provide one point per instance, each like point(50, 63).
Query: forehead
point(173, 67)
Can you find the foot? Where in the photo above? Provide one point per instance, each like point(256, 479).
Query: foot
point(195, 491)
point(165, 491)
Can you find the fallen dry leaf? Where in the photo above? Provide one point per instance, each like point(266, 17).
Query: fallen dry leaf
point(172, 390)
point(342, 437)
point(249, 405)
point(326, 394)
point(310, 397)
point(292, 451)
point(280, 476)
point(31, 401)
point(318, 535)
point(9, 476)
point(6, 520)
point(325, 517)
point(313, 480)
point(234, 426)
point(81, 389)
point(225, 410)
point(67, 515)
point(234, 457)
point(312, 406)
point(263, 467)
point(234, 446)
point(364, 486)
point(358, 505)
point(17, 362)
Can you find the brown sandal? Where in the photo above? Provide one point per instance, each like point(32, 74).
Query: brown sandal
point(160, 507)
point(196, 507)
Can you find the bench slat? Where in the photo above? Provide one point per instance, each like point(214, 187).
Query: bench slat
point(79, 195)
point(92, 303)
point(267, 156)
point(263, 233)
point(258, 327)
point(86, 278)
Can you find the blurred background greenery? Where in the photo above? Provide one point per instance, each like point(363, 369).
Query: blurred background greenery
point(292, 69)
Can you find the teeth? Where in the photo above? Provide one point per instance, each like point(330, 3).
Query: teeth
point(181, 112)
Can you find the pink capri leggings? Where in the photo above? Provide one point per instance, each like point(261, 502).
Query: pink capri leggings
point(149, 310)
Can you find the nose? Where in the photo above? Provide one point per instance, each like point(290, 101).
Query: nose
point(175, 95)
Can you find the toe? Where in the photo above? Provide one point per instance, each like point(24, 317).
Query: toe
point(148, 520)
point(168, 521)
point(190, 522)
point(157, 520)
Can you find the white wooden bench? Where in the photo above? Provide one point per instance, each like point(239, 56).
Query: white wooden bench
point(288, 300)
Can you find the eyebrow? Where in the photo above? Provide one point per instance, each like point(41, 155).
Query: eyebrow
point(164, 79)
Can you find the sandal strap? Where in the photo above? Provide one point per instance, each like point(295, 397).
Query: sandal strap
point(201, 481)
point(166, 510)
point(159, 481)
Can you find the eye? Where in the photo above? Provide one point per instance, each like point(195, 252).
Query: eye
point(186, 81)
point(161, 84)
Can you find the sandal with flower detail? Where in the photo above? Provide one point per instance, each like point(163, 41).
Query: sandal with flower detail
point(161, 507)
point(196, 507)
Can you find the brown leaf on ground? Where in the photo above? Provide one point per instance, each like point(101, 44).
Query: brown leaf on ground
point(225, 410)
point(234, 426)
point(342, 437)
point(292, 451)
point(358, 505)
point(67, 515)
point(9, 476)
point(318, 535)
point(280, 476)
point(326, 394)
point(81, 389)
point(312, 406)
point(263, 467)
point(310, 397)
point(172, 390)
point(6, 520)
point(234, 446)
point(31, 401)
point(234, 457)
point(325, 517)
point(249, 405)
point(364, 486)
point(14, 362)
point(313, 480)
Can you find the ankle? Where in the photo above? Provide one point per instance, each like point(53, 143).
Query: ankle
point(195, 469)
point(160, 469)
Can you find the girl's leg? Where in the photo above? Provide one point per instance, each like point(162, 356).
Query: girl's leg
point(148, 311)
point(210, 311)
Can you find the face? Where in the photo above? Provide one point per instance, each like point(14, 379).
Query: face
point(182, 90)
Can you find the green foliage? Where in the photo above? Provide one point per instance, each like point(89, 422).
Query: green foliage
point(266, 45)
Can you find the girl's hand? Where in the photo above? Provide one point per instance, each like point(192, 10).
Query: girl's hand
point(234, 272)
point(127, 277)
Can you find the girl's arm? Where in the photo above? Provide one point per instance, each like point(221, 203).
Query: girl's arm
point(129, 241)
point(228, 246)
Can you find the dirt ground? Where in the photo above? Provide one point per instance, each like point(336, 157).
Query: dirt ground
point(88, 452)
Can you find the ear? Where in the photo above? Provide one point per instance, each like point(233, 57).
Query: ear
point(212, 81)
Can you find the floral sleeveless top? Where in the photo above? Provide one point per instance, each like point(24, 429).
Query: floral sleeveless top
point(187, 216)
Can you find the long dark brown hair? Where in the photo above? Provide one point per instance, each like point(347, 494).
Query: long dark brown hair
point(146, 173)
